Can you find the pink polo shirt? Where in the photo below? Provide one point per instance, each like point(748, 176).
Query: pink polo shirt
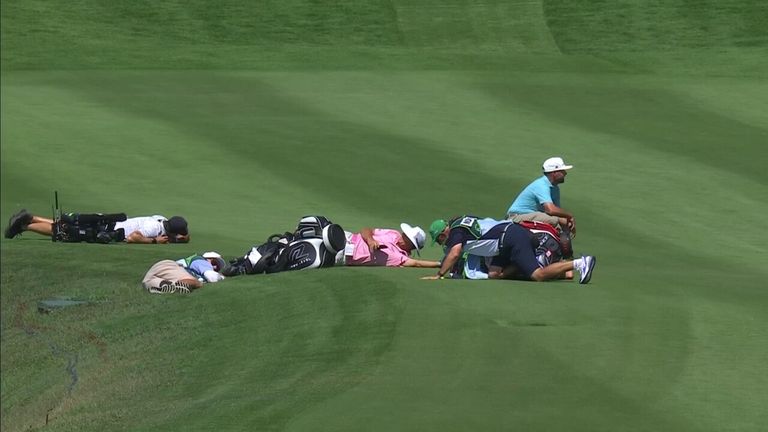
point(389, 254)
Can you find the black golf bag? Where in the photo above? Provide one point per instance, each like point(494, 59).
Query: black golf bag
point(314, 244)
point(89, 228)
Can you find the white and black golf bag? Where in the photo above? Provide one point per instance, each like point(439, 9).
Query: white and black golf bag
point(313, 244)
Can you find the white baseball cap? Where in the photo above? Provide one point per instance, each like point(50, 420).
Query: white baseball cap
point(555, 164)
point(218, 265)
point(415, 234)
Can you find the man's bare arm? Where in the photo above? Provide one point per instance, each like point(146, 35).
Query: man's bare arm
point(448, 262)
point(410, 262)
point(367, 235)
point(553, 210)
point(138, 237)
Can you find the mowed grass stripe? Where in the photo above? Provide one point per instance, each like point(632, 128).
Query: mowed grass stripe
point(513, 351)
point(369, 195)
point(669, 336)
point(294, 343)
point(634, 347)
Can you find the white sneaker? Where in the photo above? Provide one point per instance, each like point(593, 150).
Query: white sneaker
point(181, 287)
point(168, 287)
point(585, 267)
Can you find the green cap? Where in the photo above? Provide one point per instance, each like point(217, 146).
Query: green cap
point(437, 228)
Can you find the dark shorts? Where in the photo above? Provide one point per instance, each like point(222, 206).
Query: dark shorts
point(517, 250)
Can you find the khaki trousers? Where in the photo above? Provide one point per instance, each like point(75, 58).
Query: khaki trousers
point(164, 270)
point(535, 216)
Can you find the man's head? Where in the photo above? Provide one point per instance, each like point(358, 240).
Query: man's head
point(415, 237)
point(215, 259)
point(439, 231)
point(555, 169)
point(176, 227)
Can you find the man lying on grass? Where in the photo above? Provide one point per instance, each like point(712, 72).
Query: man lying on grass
point(101, 228)
point(183, 275)
point(510, 246)
point(385, 247)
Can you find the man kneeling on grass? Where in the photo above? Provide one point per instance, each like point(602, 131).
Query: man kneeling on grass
point(184, 275)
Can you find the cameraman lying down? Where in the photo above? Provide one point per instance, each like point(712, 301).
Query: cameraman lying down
point(143, 229)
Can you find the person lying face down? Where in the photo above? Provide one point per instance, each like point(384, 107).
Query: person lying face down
point(144, 229)
point(514, 254)
point(185, 274)
point(385, 247)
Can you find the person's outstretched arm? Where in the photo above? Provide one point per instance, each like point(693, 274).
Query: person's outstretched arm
point(448, 262)
point(410, 262)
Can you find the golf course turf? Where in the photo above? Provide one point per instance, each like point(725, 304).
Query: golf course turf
point(245, 116)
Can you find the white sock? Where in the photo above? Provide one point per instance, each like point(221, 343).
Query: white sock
point(578, 264)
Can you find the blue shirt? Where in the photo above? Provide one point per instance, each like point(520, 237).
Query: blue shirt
point(198, 267)
point(534, 196)
point(195, 265)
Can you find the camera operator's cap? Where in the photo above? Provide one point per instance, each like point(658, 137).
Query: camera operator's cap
point(555, 164)
point(415, 234)
point(437, 228)
point(177, 225)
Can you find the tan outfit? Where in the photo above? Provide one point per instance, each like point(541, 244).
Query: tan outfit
point(535, 216)
point(164, 270)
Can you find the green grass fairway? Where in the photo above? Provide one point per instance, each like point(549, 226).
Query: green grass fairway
point(244, 116)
